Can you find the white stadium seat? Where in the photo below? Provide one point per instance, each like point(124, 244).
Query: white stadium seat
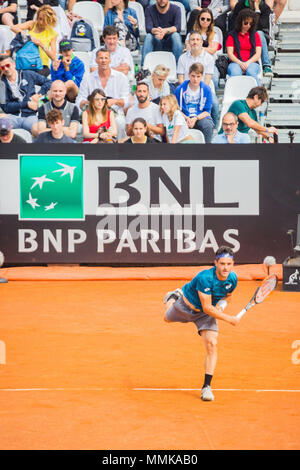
point(152, 59)
point(140, 16)
point(291, 13)
point(23, 133)
point(197, 136)
point(183, 17)
point(91, 11)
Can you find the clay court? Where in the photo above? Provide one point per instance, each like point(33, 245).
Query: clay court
point(89, 363)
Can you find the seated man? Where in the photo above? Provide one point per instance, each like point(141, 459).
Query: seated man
point(58, 101)
point(247, 116)
point(120, 56)
point(114, 84)
point(18, 97)
point(230, 133)
point(7, 135)
point(195, 101)
point(146, 110)
point(197, 54)
point(8, 12)
point(56, 134)
point(163, 26)
point(68, 68)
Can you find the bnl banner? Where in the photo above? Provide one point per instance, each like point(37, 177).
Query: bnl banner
point(164, 209)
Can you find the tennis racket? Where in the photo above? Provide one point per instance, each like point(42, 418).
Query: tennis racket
point(267, 286)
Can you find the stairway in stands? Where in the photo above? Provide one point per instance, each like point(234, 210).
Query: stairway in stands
point(283, 110)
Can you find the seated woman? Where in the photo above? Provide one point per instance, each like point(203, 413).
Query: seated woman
point(177, 131)
point(244, 46)
point(141, 135)
point(98, 122)
point(125, 19)
point(42, 34)
point(158, 84)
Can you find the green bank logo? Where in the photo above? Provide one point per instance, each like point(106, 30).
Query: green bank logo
point(51, 187)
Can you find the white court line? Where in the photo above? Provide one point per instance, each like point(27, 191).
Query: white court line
point(96, 389)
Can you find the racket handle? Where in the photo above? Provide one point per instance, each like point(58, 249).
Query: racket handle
point(242, 313)
point(222, 304)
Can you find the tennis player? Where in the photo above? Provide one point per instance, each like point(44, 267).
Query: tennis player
point(198, 302)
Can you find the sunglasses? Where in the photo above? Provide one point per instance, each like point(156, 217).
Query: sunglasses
point(246, 23)
point(5, 66)
point(205, 19)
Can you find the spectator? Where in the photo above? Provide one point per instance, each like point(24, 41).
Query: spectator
point(120, 56)
point(230, 134)
point(56, 134)
point(195, 101)
point(176, 129)
point(247, 116)
point(42, 34)
point(158, 84)
point(97, 117)
point(8, 9)
point(163, 26)
point(197, 54)
point(140, 133)
point(244, 46)
point(7, 135)
point(68, 68)
point(34, 5)
point(125, 19)
point(262, 12)
point(115, 85)
point(204, 23)
point(219, 10)
point(18, 97)
point(147, 110)
point(58, 101)
point(277, 6)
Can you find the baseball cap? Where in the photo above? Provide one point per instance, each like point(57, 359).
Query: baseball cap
point(5, 125)
point(65, 45)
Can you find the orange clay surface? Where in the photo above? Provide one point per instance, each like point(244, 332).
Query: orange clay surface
point(92, 365)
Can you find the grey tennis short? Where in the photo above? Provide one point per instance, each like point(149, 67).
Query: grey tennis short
point(180, 312)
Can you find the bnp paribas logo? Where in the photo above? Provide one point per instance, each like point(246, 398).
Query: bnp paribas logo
point(51, 187)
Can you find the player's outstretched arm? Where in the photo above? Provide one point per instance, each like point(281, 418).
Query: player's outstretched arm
point(216, 312)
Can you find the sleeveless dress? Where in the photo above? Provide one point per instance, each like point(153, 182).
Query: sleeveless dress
point(93, 128)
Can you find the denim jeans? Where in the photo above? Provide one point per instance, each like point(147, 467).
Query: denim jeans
point(206, 126)
point(19, 122)
point(253, 70)
point(172, 43)
point(265, 58)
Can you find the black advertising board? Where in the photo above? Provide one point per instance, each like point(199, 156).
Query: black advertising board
point(147, 204)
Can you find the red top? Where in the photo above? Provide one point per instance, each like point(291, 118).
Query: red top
point(245, 45)
point(94, 128)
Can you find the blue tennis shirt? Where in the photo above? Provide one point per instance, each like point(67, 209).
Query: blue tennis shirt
point(207, 282)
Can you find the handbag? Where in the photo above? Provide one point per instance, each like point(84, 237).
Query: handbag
point(222, 63)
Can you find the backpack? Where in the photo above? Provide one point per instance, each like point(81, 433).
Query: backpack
point(83, 36)
point(28, 57)
point(26, 53)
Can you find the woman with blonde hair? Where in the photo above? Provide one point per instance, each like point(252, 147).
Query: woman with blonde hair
point(176, 128)
point(98, 122)
point(42, 33)
point(158, 84)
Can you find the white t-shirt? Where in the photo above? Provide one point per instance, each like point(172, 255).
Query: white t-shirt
point(192, 99)
point(178, 120)
point(186, 60)
point(121, 55)
point(151, 114)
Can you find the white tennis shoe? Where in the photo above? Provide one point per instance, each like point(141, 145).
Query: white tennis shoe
point(176, 293)
point(207, 394)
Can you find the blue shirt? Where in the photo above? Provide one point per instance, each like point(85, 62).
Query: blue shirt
point(239, 138)
point(207, 282)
